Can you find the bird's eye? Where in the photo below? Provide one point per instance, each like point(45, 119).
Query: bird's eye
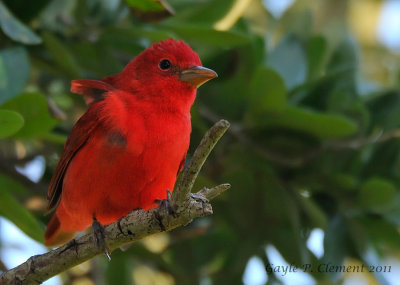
point(165, 64)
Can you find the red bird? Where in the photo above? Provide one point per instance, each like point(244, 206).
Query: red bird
point(127, 149)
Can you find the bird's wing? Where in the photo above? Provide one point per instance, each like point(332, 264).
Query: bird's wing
point(181, 165)
point(93, 92)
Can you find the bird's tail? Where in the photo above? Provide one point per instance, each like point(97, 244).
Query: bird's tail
point(54, 235)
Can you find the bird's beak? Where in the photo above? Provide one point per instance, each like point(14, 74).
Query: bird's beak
point(197, 75)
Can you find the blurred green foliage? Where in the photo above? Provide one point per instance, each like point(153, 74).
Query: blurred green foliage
point(313, 142)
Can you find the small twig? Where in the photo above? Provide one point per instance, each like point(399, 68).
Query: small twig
point(3, 267)
point(136, 225)
point(34, 188)
point(55, 111)
point(185, 184)
point(213, 192)
point(358, 143)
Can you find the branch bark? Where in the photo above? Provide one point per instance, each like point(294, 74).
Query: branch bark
point(136, 225)
point(190, 173)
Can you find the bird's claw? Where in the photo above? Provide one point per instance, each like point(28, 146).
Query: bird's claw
point(166, 205)
point(100, 237)
point(165, 208)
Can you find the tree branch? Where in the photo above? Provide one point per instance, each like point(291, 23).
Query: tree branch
point(9, 170)
point(358, 143)
point(3, 267)
point(136, 225)
point(189, 175)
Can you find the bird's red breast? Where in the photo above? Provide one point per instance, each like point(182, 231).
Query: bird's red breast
point(129, 146)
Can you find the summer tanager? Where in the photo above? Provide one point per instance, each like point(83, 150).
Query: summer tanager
point(129, 146)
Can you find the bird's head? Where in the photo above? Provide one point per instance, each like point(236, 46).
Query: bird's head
point(167, 67)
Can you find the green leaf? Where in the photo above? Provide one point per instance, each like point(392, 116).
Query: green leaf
point(316, 56)
point(336, 243)
point(61, 55)
point(200, 12)
point(382, 232)
point(150, 10)
point(12, 210)
point(377, 195)
point(322, 125)
point(120, 270)
point(26, 11)
point(128, 39)
point(385, 110)
point(314, 213)
point(33, 107)
point(10, 123)
point(14, 29)
point(299, 23)
point(152, 34)
point(345, 56)
point(267, 91)
point(343, 181)
point(209, 36)
point(367, 251)
point(147, 5)
point(17, 188)
point(393, 214)
point(90, 58)
point(13, 80)
point(54, 138)
point(51, 14)
point(289, 60)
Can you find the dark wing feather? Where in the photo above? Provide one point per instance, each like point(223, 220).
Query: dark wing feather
point(93, 91)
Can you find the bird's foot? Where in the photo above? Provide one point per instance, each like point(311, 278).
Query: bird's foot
point(100, 237)
point(166, 205)
point(165, 208)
